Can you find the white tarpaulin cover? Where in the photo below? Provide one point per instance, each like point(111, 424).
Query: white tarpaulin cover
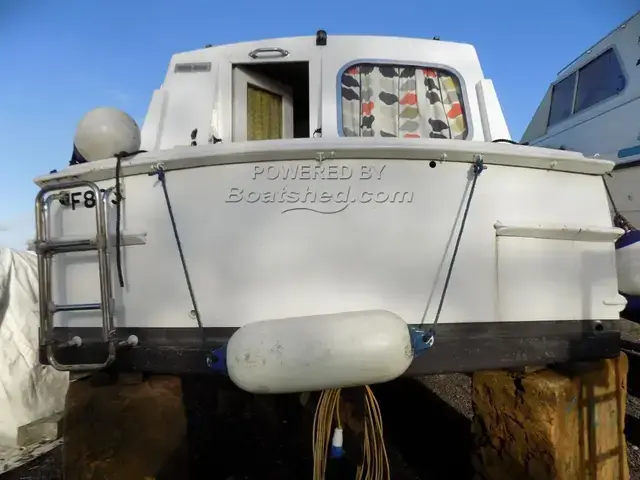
point(28, 391)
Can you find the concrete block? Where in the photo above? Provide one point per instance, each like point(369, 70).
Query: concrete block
point(44, 430)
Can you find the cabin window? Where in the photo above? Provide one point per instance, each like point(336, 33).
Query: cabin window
point(562, 99)
point(401, 101)
point(598, 80)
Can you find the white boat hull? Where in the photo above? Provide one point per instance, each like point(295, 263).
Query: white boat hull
point(628, 262)
point(252, 261)
point(388, 247)
point(623, 183)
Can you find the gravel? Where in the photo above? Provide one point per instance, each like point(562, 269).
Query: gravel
point(631, 332)
point(45, 467)
point(455, 390)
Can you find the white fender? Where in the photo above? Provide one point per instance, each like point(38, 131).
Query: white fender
point(319, 352)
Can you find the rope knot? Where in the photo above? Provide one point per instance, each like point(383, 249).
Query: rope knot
point(478, 165)
point(159, 171)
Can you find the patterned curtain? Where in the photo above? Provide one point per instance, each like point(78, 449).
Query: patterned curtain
point(396, 101)
point(264, 114)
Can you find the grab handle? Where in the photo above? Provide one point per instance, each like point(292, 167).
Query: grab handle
point(280, 52)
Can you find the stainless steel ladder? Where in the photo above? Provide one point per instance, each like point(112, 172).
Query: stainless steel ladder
point(46, 248)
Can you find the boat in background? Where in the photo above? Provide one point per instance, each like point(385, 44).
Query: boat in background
point(324, 211)
point(593, 107)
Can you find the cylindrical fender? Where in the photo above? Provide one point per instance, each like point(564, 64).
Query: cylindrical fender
point(319, 352)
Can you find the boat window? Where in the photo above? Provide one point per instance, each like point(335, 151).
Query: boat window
point(598, 80)
point(384, 100)
point(562, 99)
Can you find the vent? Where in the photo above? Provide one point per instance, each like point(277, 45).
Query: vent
point(192, 67)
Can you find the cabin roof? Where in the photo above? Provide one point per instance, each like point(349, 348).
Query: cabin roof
point(353, 37)
point(603, 39)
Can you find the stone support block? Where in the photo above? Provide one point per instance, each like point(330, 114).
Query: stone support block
point(548, 425)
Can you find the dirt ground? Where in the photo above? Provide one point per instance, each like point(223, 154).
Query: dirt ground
point(428, 438)
point(427, 424)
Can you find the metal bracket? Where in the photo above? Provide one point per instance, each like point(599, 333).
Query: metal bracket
point(421, 340)
point(217, 361)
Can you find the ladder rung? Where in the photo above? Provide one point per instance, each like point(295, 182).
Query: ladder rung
point(59, 246)
point(76, 307)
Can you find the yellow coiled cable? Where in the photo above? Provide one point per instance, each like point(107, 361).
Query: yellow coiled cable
point(375, 463)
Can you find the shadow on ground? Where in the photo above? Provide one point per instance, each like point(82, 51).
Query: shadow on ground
point(235, 436)
point(433, 437)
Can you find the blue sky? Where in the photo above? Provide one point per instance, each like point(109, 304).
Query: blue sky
point(62, 58)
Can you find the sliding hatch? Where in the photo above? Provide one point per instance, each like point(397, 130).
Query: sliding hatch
point(274, 89)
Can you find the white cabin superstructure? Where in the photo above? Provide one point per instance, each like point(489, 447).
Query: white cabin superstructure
point(199, 86)
point(318, 185)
